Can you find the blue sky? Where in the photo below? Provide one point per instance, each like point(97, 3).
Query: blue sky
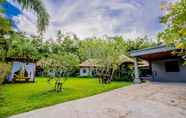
point(86, 18)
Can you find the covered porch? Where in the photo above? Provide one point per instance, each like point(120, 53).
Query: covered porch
point(161, 61)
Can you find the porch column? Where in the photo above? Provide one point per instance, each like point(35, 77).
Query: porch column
point(136, 72)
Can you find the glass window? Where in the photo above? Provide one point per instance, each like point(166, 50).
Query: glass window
point(84, 70)
point(172, 66)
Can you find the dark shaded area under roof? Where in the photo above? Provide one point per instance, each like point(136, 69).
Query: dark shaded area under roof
point(20, 59)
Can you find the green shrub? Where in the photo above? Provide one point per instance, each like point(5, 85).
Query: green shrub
point(5, 69)
point(124, 74)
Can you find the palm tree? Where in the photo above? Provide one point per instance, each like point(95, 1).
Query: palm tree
point(38, 7)
point(35, 5)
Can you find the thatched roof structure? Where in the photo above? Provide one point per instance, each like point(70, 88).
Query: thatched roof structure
point(96, 62)
point(89, 63)
point(143, 64)
point(125, 59)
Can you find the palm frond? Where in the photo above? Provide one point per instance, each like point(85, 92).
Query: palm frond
point(41, 12)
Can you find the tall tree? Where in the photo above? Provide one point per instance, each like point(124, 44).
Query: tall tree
point(21, 46)
point(59, 36)
point(5, 25)
point(38, 7)
point(34, 5)
point(175, 19)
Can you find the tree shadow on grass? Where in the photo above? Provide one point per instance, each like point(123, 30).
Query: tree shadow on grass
point(49, 93)
point(2, 99)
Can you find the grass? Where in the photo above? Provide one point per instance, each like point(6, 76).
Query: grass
point(22, 97)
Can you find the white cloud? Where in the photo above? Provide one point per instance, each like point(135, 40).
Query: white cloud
point(26, 23)
point(131, 18)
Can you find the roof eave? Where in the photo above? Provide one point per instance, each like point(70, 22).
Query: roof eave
point(148, 51)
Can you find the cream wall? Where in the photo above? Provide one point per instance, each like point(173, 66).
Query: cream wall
point(87, 73)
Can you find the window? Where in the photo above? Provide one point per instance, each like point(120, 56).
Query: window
point(172, 66)
point(84, 71)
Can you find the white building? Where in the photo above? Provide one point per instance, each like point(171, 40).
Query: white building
point(87, 68)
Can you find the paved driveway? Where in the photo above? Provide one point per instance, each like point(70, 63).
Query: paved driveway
point(149, 100)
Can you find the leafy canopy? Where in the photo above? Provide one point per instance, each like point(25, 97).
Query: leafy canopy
point(33, 5)
point(38, 7)
point(175, 19)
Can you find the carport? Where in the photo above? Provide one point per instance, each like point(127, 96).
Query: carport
point(164, 64)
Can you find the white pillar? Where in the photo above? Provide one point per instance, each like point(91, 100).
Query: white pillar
point(136, 72)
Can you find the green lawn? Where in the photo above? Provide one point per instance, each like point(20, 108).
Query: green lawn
point(22, 97)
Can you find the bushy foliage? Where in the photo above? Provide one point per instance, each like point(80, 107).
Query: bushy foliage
point(68, 51)
point(21, 46)
point(175, 19)
point(108, 51)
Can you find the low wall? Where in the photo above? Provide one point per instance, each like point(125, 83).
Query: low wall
point(5, 68)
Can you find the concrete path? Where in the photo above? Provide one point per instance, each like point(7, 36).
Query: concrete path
point(149, 100)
